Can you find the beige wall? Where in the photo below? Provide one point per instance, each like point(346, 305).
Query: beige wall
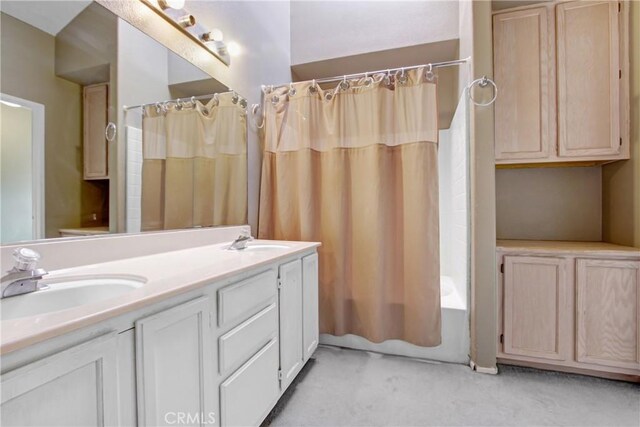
point(621, 180)
point(31, 77)
point(483, 210)
point(549, 203)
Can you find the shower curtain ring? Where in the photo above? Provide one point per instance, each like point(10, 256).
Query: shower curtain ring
point(430, 74)
point(292, 90)
point(367, 80)
point(387, 78)
point(344, 84)
point(402, 79)
point(234, 98)
point(179, 105)
point(193, 101)
point(313, 88)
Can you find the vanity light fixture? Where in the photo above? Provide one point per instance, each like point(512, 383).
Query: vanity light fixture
point(171, 4)
point(186, 21)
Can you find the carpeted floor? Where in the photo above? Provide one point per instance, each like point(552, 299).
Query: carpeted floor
point(353, 388)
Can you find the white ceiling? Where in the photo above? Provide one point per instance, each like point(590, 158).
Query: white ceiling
point(50, 16)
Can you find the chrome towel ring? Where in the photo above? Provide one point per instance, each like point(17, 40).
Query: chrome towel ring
point(483, 82)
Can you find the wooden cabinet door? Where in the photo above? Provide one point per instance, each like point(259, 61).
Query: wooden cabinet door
point(310, 334)
point(77, 386)
point(588, 54)
point(95, 105)
point(175, 366)
point(523, 68)
point(537, 307)
point(608, 295)
point(290, 305)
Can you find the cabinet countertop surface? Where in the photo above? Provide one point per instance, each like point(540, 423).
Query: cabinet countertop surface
point(577, 248)
point(167, 274)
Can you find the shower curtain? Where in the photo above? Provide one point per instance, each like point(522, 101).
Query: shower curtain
point(356, 169)
point(194, 170)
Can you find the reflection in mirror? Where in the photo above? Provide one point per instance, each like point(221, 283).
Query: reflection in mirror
point(67, 70)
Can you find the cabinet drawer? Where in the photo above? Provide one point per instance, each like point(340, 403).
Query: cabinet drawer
point(237, 345)
point(240, 300)
point(247, 396)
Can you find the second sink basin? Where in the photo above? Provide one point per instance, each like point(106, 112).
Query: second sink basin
point(68, 293)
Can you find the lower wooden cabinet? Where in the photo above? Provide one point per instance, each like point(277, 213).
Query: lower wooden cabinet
point(570, 306)
point(174, 368)
point(77, 386)
point(608, 297)
point(536, 307)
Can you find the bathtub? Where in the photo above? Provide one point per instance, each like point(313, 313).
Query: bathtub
point(455, 332)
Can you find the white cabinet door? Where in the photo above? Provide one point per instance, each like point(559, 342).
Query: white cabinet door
point(290, 284)
point(76, 387)
point(175, 366)
point(309, 305)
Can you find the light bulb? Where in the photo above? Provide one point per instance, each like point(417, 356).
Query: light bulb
point(234, 49)
point(216, 35)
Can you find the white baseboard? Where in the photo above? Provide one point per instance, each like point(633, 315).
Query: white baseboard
point(482, 370)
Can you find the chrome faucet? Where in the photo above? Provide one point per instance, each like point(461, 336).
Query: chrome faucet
point(241, 242)
point(23, 277)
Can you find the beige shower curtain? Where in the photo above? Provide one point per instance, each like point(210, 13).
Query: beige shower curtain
point(357, 171)
point(194, 170)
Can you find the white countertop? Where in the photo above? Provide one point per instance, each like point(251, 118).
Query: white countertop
point(168, 274)
point(580, 248)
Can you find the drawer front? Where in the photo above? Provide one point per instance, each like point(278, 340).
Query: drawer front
point(239, 344)
point(247, 396)
point(239, 301)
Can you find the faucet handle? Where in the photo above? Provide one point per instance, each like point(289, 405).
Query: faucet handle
point(26, 259)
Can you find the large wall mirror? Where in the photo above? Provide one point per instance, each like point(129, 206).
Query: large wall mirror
point(105, 130)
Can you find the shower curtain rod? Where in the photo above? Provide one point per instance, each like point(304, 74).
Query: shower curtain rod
point(388, 70)
point(175, 101)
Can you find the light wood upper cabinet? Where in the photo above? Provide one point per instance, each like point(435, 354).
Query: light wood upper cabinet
point(95, 148)
point(536, 307)
point(608, 297)
point(563, 75)
point(523, 63)
point(588, 79)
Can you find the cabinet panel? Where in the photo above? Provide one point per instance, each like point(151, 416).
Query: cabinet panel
point(77, 386)
point(290, 321)
point(243, 341)
point(175, 365)
point(588, 79)
point(536, 307)
point(309, 305)
point(239, 301)
point(523, 63)
point(608, 296)
point(247, 396)
point(95, 105)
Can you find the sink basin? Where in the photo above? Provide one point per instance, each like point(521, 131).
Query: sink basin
point(260, 247)
point(67, 293)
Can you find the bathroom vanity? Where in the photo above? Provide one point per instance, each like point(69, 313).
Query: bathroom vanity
point(212, 337)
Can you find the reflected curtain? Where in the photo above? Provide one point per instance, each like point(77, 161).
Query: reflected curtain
point(356, 169)
point(194, 170)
